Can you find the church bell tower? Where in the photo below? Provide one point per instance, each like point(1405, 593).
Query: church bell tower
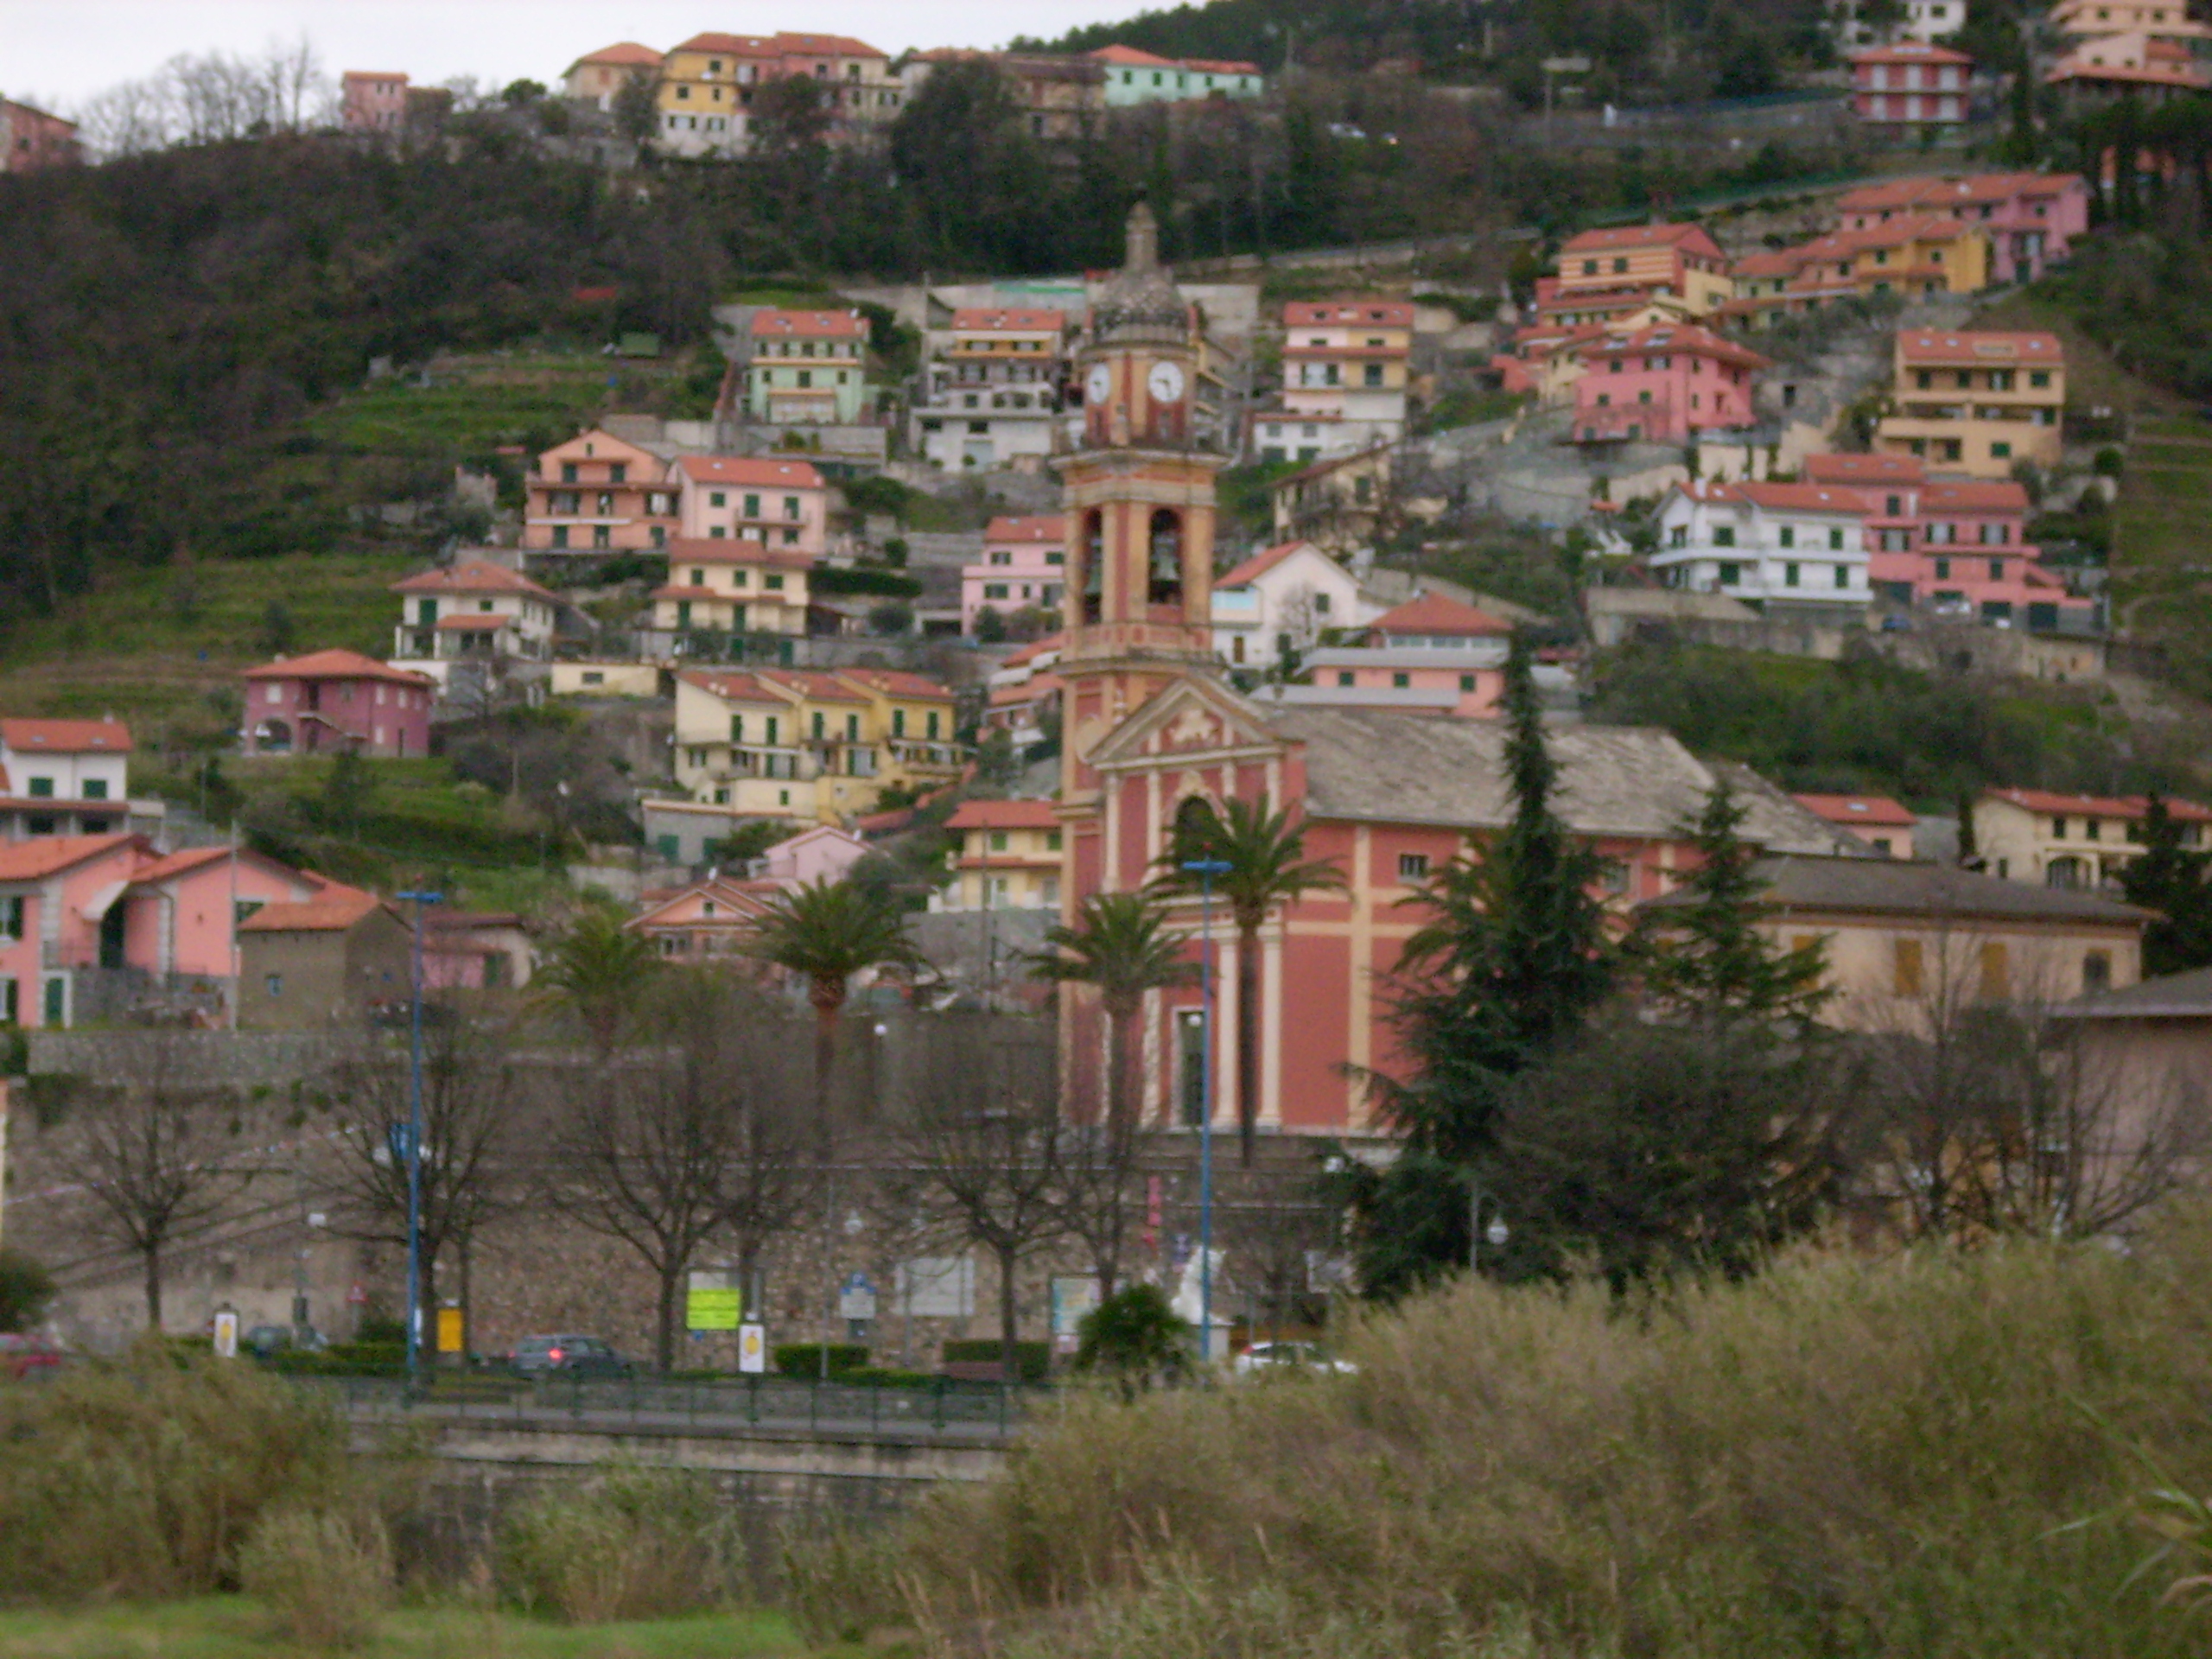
point(1139, 503)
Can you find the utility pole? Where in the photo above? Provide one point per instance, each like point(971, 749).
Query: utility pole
point(1206, 869)
point(414, 1143)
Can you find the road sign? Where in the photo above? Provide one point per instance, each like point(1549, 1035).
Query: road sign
point(856, 1300)
point(752, 1349)
point(715, 1300)
point(226, 1335)
point(451, 1335)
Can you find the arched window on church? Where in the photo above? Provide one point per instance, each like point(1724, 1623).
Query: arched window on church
point(1192, 828)
point(1164, 560)
point(1094, 565)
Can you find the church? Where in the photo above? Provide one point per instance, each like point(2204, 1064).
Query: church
point(1150, 722)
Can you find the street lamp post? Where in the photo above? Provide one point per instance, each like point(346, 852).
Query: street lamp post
point(415, 1142)
point(1206, 869)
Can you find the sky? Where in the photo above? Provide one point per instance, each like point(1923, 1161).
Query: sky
point(62, 53)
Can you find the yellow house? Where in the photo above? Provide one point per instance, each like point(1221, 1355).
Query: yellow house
point(2041, 836)
point(1915, 257)
point(1976, 403)
point(796, 743)
point(1008, 857)
point(732, 586)
point(1600, 268)
point(706, 93)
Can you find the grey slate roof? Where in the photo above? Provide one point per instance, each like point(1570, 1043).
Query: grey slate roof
point(2171, 996)
point(1385, 767)
point(1898, 887)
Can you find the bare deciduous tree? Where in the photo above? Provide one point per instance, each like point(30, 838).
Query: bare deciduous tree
point(696, 1134)
point(158, 1156)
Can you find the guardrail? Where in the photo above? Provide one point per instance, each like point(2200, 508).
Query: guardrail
point(947, 1405)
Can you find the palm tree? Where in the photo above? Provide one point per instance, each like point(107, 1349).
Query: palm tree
point(826, 932)
point(600, 970)
point(1121, 944)
point(1265, 854)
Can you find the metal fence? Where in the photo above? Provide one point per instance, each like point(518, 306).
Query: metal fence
point(945, 1406)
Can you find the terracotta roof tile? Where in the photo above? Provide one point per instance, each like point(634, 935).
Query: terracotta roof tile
point(475, 576)
point(66, 736)
point(336, 663)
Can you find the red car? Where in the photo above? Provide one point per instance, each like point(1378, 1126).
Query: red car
point(22, 1357)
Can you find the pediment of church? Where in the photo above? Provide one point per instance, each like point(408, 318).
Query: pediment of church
point(1189, 718)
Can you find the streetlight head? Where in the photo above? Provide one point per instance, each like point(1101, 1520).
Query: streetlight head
point(1498, 1232)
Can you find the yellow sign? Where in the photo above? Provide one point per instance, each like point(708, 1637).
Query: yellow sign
point(451, 1337)
point(713, 1302)
point(752, 1349)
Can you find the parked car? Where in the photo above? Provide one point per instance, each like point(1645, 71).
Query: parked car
point(266, 1341)
point(26, 1356)
point(1264, 1358)
point(570, 1355)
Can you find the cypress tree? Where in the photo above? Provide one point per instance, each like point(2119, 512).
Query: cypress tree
point(2169, 879)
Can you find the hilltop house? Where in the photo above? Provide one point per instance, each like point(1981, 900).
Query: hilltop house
point(1974, 402)
point(1663, 385)
point(597, 77)
point(2031, 219)
point(2051, 839)
point(476, 613)
point(1023, 568)
point(597, 493)
point(1135, 77)
point(807, 368)
point(1912, 83)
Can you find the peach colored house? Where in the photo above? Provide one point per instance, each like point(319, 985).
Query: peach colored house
point(598, 494)
point(763, 498)
point(181, 911)
point(2031, 219)
point(1605, 272)
point(1023, 568)
point(330, 700)
point(1884, 824)
point(56, 895)
point(596, 77)
point(371, 101)
point(710, 920)
point(1431, 653)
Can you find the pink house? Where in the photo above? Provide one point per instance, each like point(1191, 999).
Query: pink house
point(826, 853)
point(373, 102)
point(180, 912)
point(58, 915)
point(1911, 84)
point(2031, 219)
point(330, 700)
point(1023, 568)
point(1662, 384)
point(1432, 654)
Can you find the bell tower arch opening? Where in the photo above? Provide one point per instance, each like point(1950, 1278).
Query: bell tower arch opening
point(1164, 562)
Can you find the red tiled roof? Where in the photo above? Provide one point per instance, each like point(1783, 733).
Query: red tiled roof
point(1865, 469)
point(1910, 52)
point(1996, 496)
point(773, 322)
point(1317, 313)
point(740, 687)
point(1935, 192)
point(988, 319)
point(1004, 814)
point(1978, 348)
point(1857, 809)
point(1435, 613)
point(1034, 649)
point(44, 856)
point(333, 910)
point(476, 576)
point(827, 46)
point(336, 663)
point(1671, 337)
point(896, 682)
point(1035, 689)
point(66, 736)
point(2096, 806)
point(750, 469)
point(811, 684)
point(1221, 65)
point(754, 46)
point(627, 54)
point(1259, 564)
point(1799, 498)
point(1638, 236)
point(1036, 527)
point(1129, 57)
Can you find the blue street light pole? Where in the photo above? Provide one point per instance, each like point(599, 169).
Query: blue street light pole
point(1206, 869)
point(415, 1142)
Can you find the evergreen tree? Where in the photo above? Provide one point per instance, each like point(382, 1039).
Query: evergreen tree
point(1514, 960)
point(1706, 961)
point(2169, 879)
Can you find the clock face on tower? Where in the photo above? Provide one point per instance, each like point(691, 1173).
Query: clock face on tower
point(1164, 383)
point(1099, 384)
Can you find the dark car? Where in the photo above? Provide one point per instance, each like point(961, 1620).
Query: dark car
point(26, 1356)
point(568, 1355)
point(267, 1341)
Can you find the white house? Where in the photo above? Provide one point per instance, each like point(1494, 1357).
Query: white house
point(1794, 545)
point(1280, 600)
point(66, 760)
point(477, 612)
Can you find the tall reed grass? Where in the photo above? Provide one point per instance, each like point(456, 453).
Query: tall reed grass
point(635, 1543)
point(1842, 1456)
point(143, 1477)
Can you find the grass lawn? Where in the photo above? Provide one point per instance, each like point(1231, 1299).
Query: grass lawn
point(231, 1627)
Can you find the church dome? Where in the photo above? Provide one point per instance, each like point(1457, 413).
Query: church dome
point(1139, 303)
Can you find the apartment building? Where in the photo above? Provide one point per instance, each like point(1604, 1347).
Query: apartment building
point(597, 493)
point(708, 83)
point(31, 139)
point(1008, 857)
point(1604, 273)
point(1024, 568)
point(992, 391)
point(1060, 97)
point(1798, 547)
point(794, 743)
point(2146, 67)
point(2031, 219)
point(1662, 385)
point(2053, 840)
point(1432, 652)
point(736, 588)
point(1977, 403)
point(1346, 370)
point(2078, 21)
point(1134, 76)
point(807, 368)
point(1918, 257)
point(764, 499)
point(1913, 83)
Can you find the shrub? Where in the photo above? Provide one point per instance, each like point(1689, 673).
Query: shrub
point(326, 1576)
point(1133, 1335)
point(805, 1358)
point(636, 1543)
point(1032, 1361)
point(143, 1477)
point(1844, 1455)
